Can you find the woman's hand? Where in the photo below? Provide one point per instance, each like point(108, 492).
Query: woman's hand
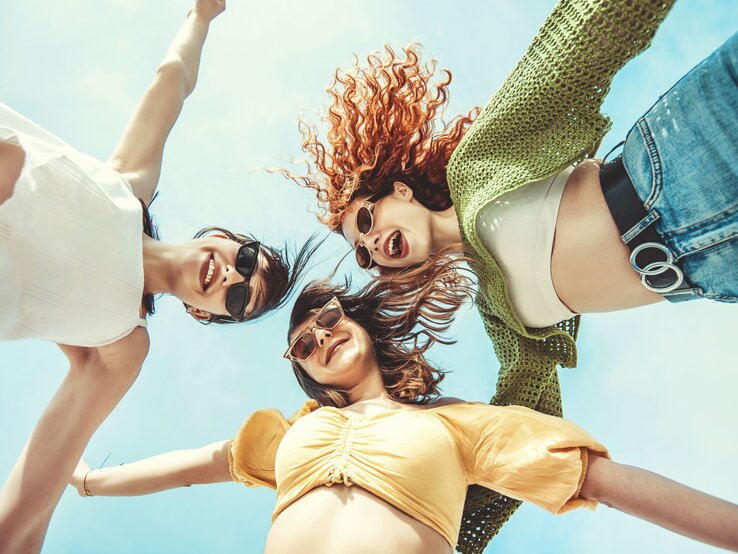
point(208, 9)
point(78, 477)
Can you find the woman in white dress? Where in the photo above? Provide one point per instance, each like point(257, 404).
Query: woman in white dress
point(80, 263)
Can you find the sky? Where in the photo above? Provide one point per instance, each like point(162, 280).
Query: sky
point(655, 384)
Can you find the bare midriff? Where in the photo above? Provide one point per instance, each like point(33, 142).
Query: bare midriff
point(340, 519)
point(590, 265)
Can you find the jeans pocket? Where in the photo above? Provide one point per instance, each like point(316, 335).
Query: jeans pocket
point(643, 163)
point(715, 270)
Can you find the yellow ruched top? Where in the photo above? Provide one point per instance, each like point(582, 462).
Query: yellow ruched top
point(418, 460)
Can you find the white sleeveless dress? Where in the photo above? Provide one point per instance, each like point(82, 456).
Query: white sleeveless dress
point(71, 260)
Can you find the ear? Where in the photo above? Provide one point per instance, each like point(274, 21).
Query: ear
point(402, 191)
point(199, 315)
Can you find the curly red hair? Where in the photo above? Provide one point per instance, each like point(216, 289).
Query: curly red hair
point(384, 126)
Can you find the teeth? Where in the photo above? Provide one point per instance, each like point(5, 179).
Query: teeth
point(211, 268)
point(395, 244)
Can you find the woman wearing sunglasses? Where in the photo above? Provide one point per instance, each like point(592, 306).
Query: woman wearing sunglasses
point(80, 263)
point(553, 234)
point(658, 223)
point(376, 445)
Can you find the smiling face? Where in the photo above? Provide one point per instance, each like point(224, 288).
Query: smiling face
point(205, 270)
point(400, 235)
point(343, 356)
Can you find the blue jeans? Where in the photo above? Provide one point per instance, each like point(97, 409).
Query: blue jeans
point(682, 157)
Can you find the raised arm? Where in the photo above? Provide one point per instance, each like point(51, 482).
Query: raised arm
point(139, 153)
point(180, 468)
point(662, 501)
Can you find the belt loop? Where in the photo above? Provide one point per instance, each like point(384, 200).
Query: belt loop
point(618, 145)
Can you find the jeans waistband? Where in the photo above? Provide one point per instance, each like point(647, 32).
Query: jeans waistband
point(649, 256)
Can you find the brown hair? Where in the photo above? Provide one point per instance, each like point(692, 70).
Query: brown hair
point(279, 277)
point(403, 321)
point(384, 120)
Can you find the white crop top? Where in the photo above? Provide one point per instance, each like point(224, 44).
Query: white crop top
point(71, 260)
point(517, 229)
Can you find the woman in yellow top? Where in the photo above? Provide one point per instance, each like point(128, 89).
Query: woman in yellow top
point(376, 445)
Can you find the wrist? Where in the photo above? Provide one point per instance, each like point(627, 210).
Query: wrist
point(199, 17)
point(85, 490)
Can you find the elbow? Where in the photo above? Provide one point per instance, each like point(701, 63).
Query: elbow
point(174, 71)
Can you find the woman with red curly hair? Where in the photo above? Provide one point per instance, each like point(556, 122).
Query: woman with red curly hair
point(659, 222)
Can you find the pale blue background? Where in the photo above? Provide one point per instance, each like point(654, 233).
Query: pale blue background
point(657, 385)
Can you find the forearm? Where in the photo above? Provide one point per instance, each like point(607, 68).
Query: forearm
point(32, 490)
point(185, 50)
point(662, 501)
point(138, 155)
point(180, 468)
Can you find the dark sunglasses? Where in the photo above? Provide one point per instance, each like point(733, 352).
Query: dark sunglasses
point(237, 297)
point(306, 344)
point(364, 224)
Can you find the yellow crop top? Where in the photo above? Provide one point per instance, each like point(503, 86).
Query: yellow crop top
point(418, 460)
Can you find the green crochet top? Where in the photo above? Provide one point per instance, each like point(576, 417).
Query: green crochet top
point(544, 118)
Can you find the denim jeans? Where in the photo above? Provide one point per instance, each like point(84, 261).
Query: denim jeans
point(682, 157)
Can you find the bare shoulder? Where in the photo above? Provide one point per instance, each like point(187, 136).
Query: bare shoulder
point(126, 353)
point(130, 350)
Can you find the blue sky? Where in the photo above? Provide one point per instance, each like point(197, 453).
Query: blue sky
point(655, 384)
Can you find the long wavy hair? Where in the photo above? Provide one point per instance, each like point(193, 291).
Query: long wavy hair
point(384, 126)
point(402, 320)
point(279, 278)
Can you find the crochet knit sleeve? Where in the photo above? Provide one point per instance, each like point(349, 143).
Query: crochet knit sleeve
point(547, 112)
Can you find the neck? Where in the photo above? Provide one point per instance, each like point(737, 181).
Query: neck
point(371, 388)
point(445, 230)
point(158, 262)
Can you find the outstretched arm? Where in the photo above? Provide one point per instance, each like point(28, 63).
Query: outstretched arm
point(662, 501)
point(139, 153)
point(96, 381)
point(180, 468)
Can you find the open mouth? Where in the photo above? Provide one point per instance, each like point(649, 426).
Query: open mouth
point(395, 246)
point(332, 349)
point(207, 272)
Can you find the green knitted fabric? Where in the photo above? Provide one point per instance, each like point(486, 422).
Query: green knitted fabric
point(544, 118)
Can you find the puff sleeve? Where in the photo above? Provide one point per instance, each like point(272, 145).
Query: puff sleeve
point(524, 454)
point(252, 452)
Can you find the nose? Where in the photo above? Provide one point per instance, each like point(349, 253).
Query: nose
point(322, 335)
point(231, 276)
point(371, 239)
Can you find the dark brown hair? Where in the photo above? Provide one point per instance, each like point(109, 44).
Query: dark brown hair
point(282, 272)
point(150, 229)
point(384, 126)
point(403, 320)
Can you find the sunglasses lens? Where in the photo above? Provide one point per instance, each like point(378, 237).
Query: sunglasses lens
point(364, 220)
point(329, 318)
point(246, 259)
point(236, 300)
point(363, 257)
point(304, 346)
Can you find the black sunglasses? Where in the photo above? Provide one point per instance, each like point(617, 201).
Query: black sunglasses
point(237, 297)
point(364, 224)
point(306, 344)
